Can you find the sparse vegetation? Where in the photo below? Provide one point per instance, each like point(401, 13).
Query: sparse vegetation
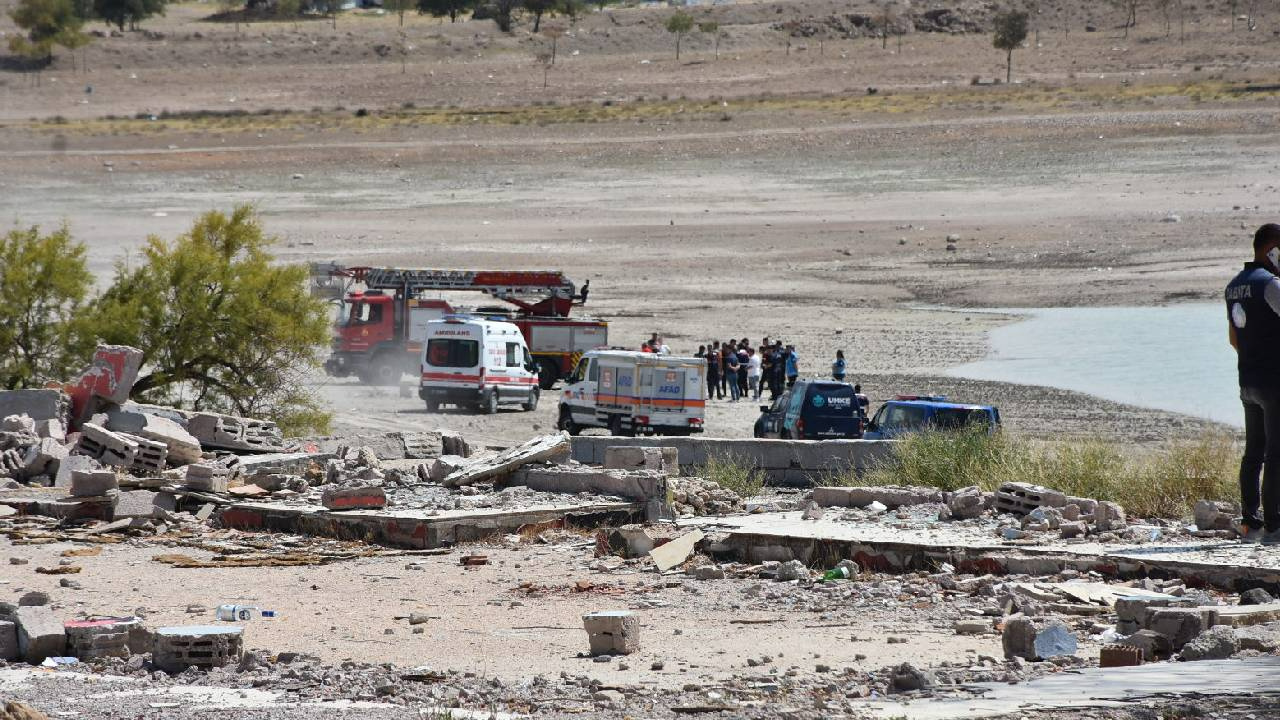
point(733, 473)
point(1160, 483)
point(1010, 33)
point(48, 23)
point(678, 24)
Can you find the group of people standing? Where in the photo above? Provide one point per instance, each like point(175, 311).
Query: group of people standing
point(737, 369)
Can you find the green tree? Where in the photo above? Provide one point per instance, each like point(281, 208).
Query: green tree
point(118, 12)
point(501, 13)
point(442, 8)
point(43, 285)
point(679, 23)
point(538, 7)
point(399, 7)
point(221, 326)
point(289, 9)
point(712, 28)
point(1010, 32)
point(571, 9)
point(47, 22)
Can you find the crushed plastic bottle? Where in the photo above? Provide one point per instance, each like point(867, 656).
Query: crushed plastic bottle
point(839, 573)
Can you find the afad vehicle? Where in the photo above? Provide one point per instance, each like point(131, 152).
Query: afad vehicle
point(814, 410)
point(635, 393)
point(380, 329)
point(477, 363)
point(914, 413)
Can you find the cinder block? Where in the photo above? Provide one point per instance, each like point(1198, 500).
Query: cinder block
point(208, 477)
point(174, 649)
point(613, 632)
point(105, 446)
point(40, 633)
point(182, 447)
point(1021, 498)
point(1119, 656)
point(44, 457)
point(149, 456)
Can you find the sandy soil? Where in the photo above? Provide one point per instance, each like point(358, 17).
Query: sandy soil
point(792, 205)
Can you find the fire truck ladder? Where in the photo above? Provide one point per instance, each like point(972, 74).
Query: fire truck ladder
point(553, 291)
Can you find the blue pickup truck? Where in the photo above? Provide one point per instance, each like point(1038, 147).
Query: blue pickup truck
point(913, 413)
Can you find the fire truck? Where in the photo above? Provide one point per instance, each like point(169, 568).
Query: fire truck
point(383, 315)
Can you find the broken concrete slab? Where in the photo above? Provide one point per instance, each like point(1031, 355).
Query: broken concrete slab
point(441, 467)
point(1180, 625)
point(1216, 643)
point(71, 464)
point(94, 483)
point(1245, 615)
point(227, 432)
point(613, 632)
point(1263, 638)
point(144, 504)
point(891, 496)
point(633, 457)
point(93, 639)
point(203, 646)
point(109, 378)
point(630, 484)
point(39, 405)
point(676, 551)
point(9, 650)
point(40, 633)
point(43, 458)
point(1036, 638)
point(209, 477)
point(549, 448)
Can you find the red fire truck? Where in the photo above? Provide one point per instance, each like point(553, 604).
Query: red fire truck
point(379, 332)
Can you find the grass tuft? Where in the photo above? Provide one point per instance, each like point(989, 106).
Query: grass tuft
point(733, 473)
point(1162, 483)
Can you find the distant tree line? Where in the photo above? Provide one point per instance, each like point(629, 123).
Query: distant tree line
point(50, 23)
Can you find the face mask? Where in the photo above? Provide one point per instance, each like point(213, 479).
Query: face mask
point(1274, 256)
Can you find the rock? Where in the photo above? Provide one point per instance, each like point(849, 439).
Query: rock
point(1263, 638)
point(1180, 625)
point(708, 572)
point(966, 503)
point(1212, 515)
point(1153, 645)
point(1109, 516)
point(792, 570)
point(1171, 218)
point(1216, 643)
point(1072, 529)
point(13, 710)
point(972, 627)
point(18, 561)
point(1034, 639)
point(33, 599)
point(812, 511)
point(906, 678)
point(1256, 596)
point(417, 618)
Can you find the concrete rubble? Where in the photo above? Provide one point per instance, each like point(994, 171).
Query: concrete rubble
point(1005, 575)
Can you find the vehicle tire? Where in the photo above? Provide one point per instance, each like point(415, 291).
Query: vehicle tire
point(547, 376)
point(489, 405)
point(532, 403)
point(433, 406)
point(384, 370)
point(615, 427)
point(567, 424)
point(784, 434)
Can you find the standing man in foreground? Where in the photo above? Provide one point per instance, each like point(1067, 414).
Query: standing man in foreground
point(1253, 312)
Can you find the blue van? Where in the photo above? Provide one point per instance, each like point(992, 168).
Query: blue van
point(913, 413)
point(813, 410)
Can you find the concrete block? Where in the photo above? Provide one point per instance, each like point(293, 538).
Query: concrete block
point(1036, 639)
point(441, 467)
point(613, 632)
point(36, 404)
point(967, 503)
point(144, 504)
point(1263, 638)
point(150, 455)
point(175, 649)
point(1072, 529)
point(40, 633)
point(1180, 625)
point(70, 464)
point(1216, 643)
point(227, 432)
point(208, 477)
point(9, 641)
point(336, 497)
point(832, 496)
point(93, 483)
point(53, 429)
point(1109, 516)
point(1086, 506)
point(92, 639)
point(105, 446)
point(629, 541)
point(43, 458)
point(1214, 515)
point(1021, 498)
point(639, 457)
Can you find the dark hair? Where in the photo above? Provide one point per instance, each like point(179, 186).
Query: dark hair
point(1267, 234)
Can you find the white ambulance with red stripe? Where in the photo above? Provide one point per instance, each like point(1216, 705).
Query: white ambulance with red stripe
point(477, 363)
point(635, 393)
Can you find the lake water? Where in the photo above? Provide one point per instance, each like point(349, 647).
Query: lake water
point(1170, 358)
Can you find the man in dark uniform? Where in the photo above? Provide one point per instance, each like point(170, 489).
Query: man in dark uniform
point(1253, 314)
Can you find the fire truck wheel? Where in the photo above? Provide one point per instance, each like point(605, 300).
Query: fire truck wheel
point(532, 403)
point(547, 376)
point(384, 371)
point(490, 403)
point(433, 406)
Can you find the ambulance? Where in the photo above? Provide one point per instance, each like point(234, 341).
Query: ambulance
point(476, 363)
point(635, 393)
